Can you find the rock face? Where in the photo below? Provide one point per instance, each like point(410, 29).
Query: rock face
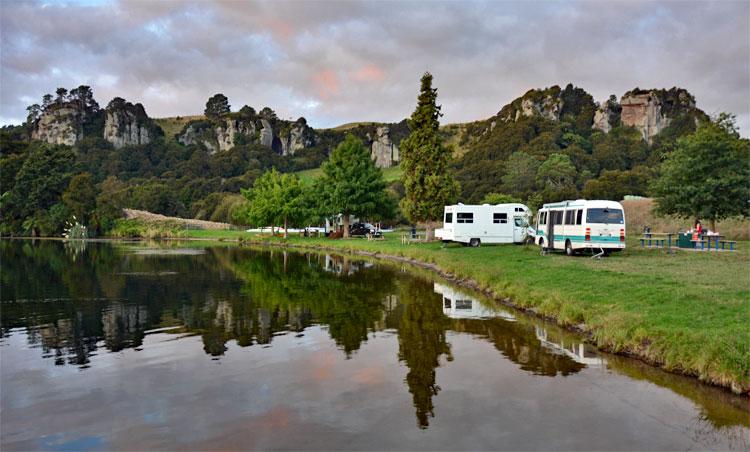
point(59, 125)
point(126, 124)
point(225, 135)
point(300, 136)
point(266, 133)
point(544, 102)
point(384, 152)
point(607, 115)
point(643, 110)
point(217, 136)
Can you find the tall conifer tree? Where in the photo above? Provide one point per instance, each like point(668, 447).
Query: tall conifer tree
point(429, 184)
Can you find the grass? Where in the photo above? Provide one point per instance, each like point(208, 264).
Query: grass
point(391, 174)
point(687, 312)
point(174, 125)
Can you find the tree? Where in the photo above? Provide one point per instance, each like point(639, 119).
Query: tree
point(34, 112)
point(61, 95)
point(520, 173)
point(46, 101)
point(499, 198)
point(80, 197)
point(292, 206)
point(351, 183)
point(428, 183)
point(556, 172)
point(216, 106)
point(708, 175)
point(616, 184)
point(277, 198)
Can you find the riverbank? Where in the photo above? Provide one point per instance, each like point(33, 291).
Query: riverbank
point(686, 312)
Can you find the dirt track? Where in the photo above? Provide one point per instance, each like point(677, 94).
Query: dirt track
point(157, 218)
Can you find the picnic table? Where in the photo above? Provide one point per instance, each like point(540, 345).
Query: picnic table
point(713, 242)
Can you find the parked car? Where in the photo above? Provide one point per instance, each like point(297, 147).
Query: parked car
point(362, 229)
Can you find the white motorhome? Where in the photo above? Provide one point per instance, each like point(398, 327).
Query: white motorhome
point(458, 305)
point(476, 224)
point(581, 225)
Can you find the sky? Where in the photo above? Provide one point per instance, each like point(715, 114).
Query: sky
point(335, 62)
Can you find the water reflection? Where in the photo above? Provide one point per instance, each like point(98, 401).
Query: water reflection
point(75, 303)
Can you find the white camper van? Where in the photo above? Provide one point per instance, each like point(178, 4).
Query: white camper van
point(581, 225)
point(476, 224)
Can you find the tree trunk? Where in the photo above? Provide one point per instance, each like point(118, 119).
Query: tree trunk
point(429, 232)
point(346, 225)
point(713, 224)
point(286, 229)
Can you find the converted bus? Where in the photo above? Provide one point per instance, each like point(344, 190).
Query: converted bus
point(581, 225)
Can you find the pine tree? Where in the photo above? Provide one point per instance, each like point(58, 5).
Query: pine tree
point(429, 184)
point(351, 183)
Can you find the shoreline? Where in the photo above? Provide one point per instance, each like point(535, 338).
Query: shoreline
point(589, 333)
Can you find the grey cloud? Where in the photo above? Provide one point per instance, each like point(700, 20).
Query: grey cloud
point(336, 62)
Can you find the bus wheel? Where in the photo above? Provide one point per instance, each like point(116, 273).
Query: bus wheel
point(474, 242)
point(569, 248)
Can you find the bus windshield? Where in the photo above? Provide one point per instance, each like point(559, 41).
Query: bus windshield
point(606, 216)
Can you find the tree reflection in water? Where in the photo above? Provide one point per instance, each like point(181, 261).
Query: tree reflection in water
point(100, 296)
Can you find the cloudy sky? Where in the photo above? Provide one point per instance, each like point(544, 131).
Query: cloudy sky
point(336, 62)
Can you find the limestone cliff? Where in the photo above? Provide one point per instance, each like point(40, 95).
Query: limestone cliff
point(544, 102)
point(384, 152)
point(652, 111)
point(245, 127)
point(299, 136)
point(59, 124)
point(127, 124)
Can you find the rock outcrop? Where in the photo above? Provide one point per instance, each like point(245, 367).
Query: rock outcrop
point(544, 102)
point(127, 124)
point(219, 135)
point(651, 111)
point(59, 124)
point(227, 133)
point(300, 136)
point(642, 110)
point(607, 115)
point(266, 133)
point(384, 152)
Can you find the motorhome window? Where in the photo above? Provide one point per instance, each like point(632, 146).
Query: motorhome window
point(558, 217)
point(518, 222)
point(605, 216)
point(499, 217)
point(447, 303)
point(569, 216)
point(463, 304)
point(520, 209)
point(579, 216)
point(449, 217)
point(465, 217)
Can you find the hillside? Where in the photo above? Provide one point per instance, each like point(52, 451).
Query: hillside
point(547, 144)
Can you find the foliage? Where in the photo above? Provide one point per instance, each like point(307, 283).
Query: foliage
point(520, 173)
point(428, 182)
point(275, 199)
point(80, 197)
point(708, 175)
point(615, 184)
point(500, 198)
point(216, 106)
point(352, 184)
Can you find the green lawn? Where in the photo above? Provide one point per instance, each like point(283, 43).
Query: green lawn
point(391, 174)
point(688, 311)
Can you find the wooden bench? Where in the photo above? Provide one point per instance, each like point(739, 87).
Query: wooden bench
point(408, 238)
point(724, 242)
point(371, 237)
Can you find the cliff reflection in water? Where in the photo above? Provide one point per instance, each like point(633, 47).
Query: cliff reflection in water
point(101, 297)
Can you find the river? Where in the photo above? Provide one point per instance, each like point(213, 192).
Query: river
point(141, 346)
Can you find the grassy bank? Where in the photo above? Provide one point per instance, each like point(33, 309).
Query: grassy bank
point(687, 312)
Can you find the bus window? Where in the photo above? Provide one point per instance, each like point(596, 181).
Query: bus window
point(606, 216)
point(569, 216)
point(579, 216)
point(557, 217)
point(448, 217)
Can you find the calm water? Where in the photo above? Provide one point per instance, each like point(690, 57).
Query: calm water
point(135, 346)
